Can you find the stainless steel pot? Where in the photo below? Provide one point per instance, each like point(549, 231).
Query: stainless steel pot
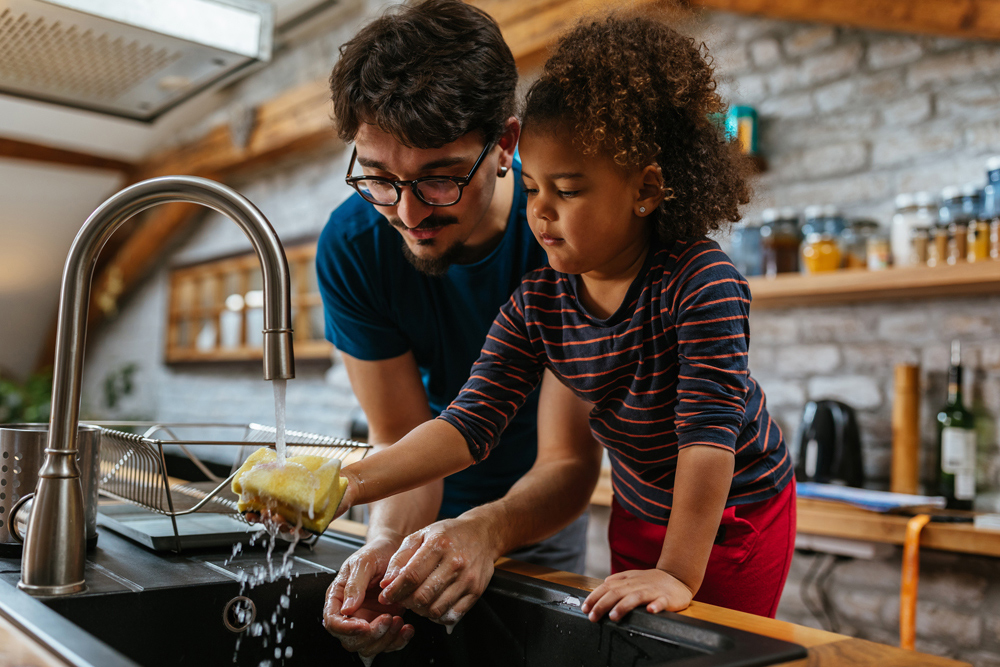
point(22, 452)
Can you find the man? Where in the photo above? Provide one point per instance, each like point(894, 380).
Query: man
point(413, 270)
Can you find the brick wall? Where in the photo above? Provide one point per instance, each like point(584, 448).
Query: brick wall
point(849, 117)
point(853, 117)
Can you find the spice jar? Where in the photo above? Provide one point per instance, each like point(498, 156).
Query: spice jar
point(978, 241)
point(779, 241)
point(919, 242)
point(820, 253)
point(745, 249)
point(879, 252)
point(854, 242)
point(950, 209)
point(991, 204)
point(937, 249)
point(912, 210)
point(958, 242)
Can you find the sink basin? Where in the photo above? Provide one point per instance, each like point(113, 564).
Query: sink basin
point(183, 610)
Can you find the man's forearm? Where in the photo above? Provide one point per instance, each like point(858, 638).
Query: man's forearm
point(704, 477)
point(397, 516)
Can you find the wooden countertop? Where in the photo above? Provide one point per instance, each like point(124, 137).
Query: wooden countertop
point(826, 649)
point(834, 519)
point(19, 650)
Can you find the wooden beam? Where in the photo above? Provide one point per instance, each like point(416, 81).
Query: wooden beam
point(25, 150)
point(530, 27)
point(295, 125)
point(137, 255)
point(967, 19)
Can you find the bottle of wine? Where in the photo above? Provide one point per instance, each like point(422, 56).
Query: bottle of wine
point(957, 441)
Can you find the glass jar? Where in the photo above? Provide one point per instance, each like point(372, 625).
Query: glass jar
point(779, 241)
point(958, 242)
point(879, 252)
point(820, 253)
point(912, 210)
point(979, 241)
point(854, 242)
point(745, 249)
point(919, 242)
point(937, 250)
point(950, 209)
point(972, 201)
point(991, 204)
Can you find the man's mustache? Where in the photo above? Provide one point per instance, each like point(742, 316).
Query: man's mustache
point(433, 222)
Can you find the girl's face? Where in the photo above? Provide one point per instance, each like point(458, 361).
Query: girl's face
point(584, 210)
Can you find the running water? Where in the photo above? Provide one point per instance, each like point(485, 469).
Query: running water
point(279, 418)
point(273, 629)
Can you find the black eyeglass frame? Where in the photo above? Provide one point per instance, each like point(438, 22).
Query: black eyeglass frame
point(459, 181)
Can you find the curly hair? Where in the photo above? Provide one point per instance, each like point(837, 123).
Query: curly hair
point(639, 92)
point(427, 74)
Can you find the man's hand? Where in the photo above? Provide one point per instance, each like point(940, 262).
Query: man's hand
point(352, 612)
point(440, 571)
point(621, 593)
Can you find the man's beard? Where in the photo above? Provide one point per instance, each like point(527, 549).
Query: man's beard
point(435, 266)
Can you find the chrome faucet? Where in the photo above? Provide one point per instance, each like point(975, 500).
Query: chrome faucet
point(54, 549)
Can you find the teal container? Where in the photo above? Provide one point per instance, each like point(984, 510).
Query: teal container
point(741, 126)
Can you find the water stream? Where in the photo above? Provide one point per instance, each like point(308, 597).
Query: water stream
point(280, 387)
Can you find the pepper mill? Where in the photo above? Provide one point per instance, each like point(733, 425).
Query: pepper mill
point(905, 474)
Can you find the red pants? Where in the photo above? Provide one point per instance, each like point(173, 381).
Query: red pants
point(748, 565)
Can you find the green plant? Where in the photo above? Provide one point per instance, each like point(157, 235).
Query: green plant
point(28, 402)
point(118, 384)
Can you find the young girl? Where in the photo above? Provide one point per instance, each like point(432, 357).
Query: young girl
point(639, 314)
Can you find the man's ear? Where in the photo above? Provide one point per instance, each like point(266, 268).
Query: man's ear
point(508, 142)
point(650, 192)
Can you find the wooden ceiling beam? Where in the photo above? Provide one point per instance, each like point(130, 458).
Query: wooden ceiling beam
point(967, 19)
point(25, 150)
point(293, 125)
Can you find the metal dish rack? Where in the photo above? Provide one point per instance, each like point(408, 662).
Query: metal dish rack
point(133, 467)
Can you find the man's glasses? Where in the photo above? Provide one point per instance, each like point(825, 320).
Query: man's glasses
point(431, 190)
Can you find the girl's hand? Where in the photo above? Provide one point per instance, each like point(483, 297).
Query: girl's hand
point(621, 593)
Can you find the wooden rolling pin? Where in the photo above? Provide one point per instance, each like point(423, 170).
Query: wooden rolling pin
point(905, 474)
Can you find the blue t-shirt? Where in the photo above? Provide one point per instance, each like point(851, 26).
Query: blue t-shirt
point(378, 307)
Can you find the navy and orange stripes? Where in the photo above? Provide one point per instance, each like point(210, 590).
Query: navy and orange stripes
point(667, 371)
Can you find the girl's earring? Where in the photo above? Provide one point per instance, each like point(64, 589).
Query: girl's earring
point(502, 171)
point(642, 209)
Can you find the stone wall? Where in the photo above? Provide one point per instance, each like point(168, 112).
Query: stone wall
point(850, 117)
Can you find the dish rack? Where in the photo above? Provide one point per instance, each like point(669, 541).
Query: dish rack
point(133, 465)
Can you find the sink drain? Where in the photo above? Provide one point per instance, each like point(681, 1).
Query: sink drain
point(239, 613)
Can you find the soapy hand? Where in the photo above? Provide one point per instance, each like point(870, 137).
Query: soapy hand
point(440, 571)
point(621, 593)
point(353, 613)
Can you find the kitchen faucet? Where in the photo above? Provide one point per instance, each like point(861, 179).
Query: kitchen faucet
point(54, 548)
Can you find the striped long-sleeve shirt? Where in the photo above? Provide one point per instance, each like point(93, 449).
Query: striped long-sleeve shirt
point(668, 370)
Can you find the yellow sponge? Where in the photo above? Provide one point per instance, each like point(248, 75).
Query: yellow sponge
point(306, 488)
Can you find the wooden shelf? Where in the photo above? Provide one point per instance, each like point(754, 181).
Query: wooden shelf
point(833, 519)
point(860, 285)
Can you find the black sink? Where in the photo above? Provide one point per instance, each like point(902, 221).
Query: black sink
point(183, 619)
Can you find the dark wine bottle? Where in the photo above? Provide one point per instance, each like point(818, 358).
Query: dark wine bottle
point(956, 441)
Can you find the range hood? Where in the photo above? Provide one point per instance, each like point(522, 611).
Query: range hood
point(130, 58)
